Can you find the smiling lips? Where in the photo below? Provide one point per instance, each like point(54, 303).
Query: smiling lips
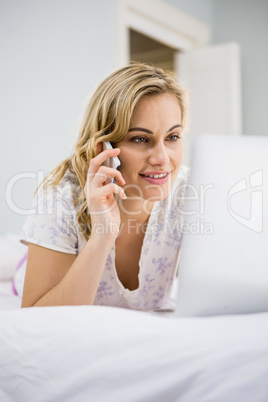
point(155, 177)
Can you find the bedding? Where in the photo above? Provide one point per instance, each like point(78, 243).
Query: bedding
point(11, 250)
point(98, 353)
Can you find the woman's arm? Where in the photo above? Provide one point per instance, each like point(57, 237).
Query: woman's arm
point(54, 278)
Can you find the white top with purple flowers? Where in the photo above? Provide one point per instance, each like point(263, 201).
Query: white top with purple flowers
point(53, 225)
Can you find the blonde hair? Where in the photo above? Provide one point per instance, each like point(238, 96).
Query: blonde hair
point(107, 118)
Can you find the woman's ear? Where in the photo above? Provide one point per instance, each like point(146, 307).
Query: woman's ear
point(98, 148)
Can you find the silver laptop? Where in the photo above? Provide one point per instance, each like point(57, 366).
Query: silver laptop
point(223, 267)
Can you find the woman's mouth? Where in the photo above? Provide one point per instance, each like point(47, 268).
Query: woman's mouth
point(155, 177)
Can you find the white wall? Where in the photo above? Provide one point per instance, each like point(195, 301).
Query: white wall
point(53, 52)
point(246, 22)
point(199, 9)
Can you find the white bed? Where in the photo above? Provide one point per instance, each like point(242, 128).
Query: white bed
point(92, 353)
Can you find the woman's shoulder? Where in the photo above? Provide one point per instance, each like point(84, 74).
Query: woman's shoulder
point(52, 223)
point(67, 188)
point(66, 191)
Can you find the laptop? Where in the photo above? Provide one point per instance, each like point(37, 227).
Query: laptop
point(223, 268)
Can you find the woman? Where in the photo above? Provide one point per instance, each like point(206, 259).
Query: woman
point(111, 236)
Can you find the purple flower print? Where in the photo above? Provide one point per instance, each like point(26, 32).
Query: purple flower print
point(162, 265)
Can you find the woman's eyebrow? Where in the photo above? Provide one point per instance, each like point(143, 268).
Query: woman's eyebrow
point(145, 130)
point(141, 129)
point(172, 128)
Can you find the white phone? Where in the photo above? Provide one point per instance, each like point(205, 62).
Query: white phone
point(110, 162)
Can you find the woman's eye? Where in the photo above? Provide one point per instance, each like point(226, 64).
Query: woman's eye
point(174, 137)
point(139, 140)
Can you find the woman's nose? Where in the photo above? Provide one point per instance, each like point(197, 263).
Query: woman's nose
point(159, 155)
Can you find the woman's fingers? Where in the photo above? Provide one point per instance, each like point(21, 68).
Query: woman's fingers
point(102, 175)
point(110, 189)
point(100, 188)
point(96, 162)
point(103, 197)
point(98, 185)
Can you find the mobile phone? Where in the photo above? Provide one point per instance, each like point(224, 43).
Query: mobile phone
point(110, 162)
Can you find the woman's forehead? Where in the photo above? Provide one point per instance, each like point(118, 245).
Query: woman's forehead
point(165, 103)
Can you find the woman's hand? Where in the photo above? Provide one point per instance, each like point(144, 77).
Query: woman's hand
point(102, 206)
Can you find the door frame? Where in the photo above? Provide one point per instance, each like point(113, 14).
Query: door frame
point(161, 22)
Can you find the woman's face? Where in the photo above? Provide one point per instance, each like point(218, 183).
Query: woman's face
point(152, 150)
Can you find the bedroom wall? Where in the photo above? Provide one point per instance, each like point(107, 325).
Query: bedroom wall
point(200, 9)
point(246, 22)
point(54, 52)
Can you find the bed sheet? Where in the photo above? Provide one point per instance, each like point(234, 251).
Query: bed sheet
point(11, 252)
point(7, 298)
point(94, 353)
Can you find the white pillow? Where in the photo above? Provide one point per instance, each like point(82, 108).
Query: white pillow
point(11, 252)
